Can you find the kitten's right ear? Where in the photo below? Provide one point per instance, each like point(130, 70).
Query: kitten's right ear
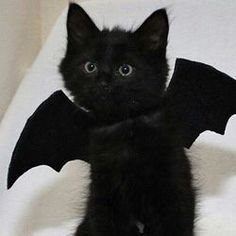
point(80, 27)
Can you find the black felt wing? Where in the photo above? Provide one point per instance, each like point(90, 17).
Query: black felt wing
point(202, 98)
point(56, 133)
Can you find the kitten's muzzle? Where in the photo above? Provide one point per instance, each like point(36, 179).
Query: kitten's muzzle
point(105, 87)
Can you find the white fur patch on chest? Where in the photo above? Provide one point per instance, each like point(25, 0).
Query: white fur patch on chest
point(140, 227)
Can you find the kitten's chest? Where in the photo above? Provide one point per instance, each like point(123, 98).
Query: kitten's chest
point(132, 181)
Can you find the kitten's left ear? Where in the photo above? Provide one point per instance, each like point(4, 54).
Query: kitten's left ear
point(152, 34)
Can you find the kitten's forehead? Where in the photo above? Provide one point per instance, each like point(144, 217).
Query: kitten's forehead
point(115, 36)
point(114, 44)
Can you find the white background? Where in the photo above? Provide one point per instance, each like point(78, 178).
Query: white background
point(24, 26)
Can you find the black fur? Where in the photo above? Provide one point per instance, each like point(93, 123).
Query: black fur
point(111, 97)
point(139, 171)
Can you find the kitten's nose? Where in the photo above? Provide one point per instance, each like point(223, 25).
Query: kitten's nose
point(105, 86)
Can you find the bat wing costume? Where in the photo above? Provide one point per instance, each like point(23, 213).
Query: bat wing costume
point(201, 97)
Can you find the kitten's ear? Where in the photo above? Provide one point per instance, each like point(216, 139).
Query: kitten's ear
point(79, 25)
point(152, 34)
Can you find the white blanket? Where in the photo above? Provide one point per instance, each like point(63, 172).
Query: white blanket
point(43, 202)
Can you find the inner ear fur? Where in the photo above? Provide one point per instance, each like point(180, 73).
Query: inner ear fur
point(153, 32)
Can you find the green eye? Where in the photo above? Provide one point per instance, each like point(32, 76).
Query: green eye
point(126, 70)
point(90, 67)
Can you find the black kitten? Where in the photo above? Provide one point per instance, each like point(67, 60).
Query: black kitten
point(141, 180)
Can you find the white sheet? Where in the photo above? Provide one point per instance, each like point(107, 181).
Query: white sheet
point(43, 202)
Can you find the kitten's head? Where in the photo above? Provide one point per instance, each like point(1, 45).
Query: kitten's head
point(115, 74)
